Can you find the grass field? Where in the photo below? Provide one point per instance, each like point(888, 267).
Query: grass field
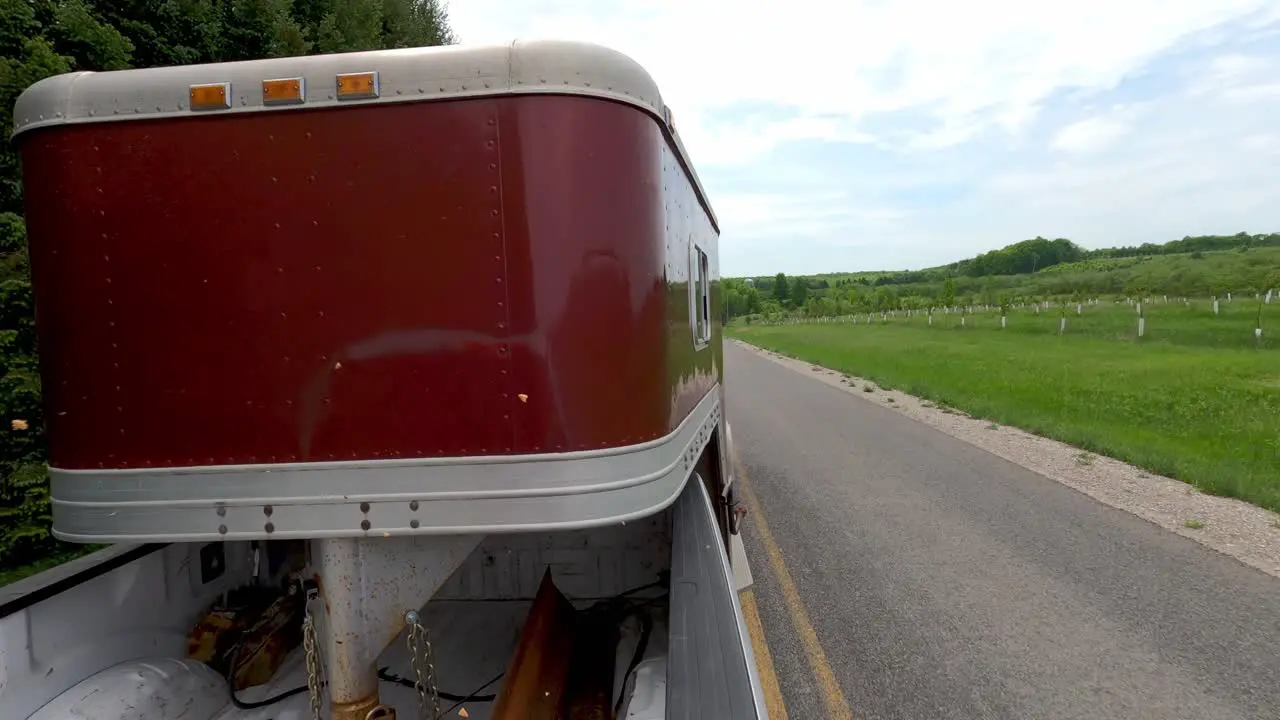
point(1197, 399)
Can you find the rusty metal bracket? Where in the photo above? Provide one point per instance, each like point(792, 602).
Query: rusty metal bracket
point(736, 516)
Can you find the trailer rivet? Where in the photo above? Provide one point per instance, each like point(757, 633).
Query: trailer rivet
point(269, 527)
point(222, 511)
point(364, 507)
point(414, 524)
point(267, 510)
point(222, 529)
point(413, 505)
point(365, 525)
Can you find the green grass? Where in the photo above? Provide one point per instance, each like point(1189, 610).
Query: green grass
point(1191, 324)
point(1198, 399)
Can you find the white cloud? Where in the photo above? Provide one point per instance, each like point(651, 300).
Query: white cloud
point(743, 140)
point(1235, 65)
point(975, 94)
point(1237, 77)
point(1088, 135)
point(1095, 133)
point(999, 57)
point(766, 217)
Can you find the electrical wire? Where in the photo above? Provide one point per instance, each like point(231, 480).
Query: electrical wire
point(244, 705)
point(386, 675)
point(473, 697)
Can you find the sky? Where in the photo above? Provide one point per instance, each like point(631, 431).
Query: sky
point(846, 135)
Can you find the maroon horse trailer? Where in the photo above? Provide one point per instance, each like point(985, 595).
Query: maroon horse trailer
point(393, 382)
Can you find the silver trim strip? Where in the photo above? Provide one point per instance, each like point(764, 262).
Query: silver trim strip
point(518, 493)
point(546, 67)
point(744, 636)
point(736, 542)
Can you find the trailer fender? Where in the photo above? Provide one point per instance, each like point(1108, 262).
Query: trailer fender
point(149, 689)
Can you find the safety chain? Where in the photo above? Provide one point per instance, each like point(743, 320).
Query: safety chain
point(424, 669)
point(309, 644)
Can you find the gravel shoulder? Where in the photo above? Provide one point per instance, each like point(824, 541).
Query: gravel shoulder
point(1235, 528)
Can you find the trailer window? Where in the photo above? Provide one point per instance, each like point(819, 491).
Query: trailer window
point(701, 297)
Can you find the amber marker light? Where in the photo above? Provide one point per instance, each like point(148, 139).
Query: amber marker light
point(211, 96)
point(284, 91)
point(356, 86)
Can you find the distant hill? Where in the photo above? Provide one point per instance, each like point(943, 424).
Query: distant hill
point(1037, 268)
point(1037, 254)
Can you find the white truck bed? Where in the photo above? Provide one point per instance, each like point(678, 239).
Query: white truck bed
point(112, 646)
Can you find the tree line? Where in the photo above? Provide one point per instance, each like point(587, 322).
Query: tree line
point(41, 38)
point(1038, 254)
point(1036, 269)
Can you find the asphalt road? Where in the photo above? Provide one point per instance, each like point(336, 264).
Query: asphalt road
point(902, 573)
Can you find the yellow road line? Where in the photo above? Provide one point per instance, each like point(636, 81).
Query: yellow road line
point(837, 706)
point(764, 660)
